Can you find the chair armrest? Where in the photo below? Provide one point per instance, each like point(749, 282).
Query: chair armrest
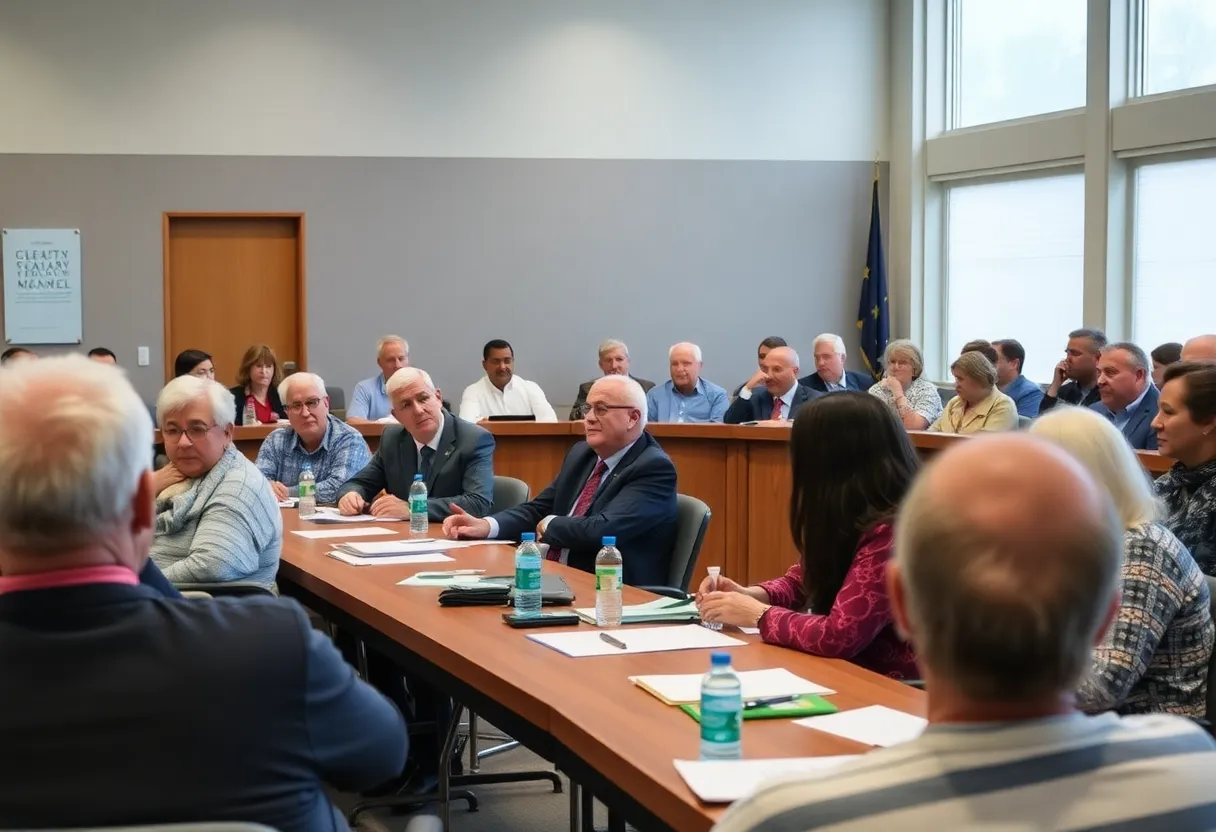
point(235, 589)
point(667, 592)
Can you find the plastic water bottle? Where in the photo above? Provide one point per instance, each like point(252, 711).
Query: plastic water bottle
point(250, 416)
point(609, 568)
point(419, 520)
point(714, 572)
point(527, 575)
point(721, 711)
point(307, 492)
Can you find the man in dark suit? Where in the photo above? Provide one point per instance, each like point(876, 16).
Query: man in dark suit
point(1076, 377)
point(614, 361)
point(618, 482)
point(455, 457)
point(220, 710)
point(781, 396)
point(1129, 398)
point(830, 374)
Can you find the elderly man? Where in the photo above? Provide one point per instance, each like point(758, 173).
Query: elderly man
point(617, 482)
point(1007, 572)
point(1010, 359)
point(830, 374)
point(219, 712)
point(757, 380)
point(331, 448)
point(614, 361)
point(370, 400)
point(455, 457)
point(1200, 348)
point(1129, 398)
point(502, 393)
point(217, 518)
point(1076, 376)
point(687, 397)
point(781, 395)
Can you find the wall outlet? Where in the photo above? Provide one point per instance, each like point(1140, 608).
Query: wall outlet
point(143, 356)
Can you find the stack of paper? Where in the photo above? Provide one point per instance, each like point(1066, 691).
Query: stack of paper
point(456, 577)
point(644, 640)
point(683, 688)
point(875, 725)
point(393, 560)
point(321, 534)
point(404, 546)
point(725, 781)
point(331, 515)
point(652, 612)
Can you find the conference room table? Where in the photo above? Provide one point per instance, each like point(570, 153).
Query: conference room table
point(582, 714)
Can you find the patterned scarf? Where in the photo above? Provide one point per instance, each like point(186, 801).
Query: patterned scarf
point(175, 505)
point(1189, 495)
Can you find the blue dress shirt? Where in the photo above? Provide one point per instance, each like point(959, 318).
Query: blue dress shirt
point(707, 403)
point(370, 400)
point(342, 453)
point(1122, 417)
point(1026, 395)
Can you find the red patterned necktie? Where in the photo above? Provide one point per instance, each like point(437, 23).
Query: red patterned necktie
point(776, 417)
point(583, 502)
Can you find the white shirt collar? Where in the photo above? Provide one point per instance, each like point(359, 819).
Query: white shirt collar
point(434, 443)
point(611, 462)
point(492, 388)
point(788, 396)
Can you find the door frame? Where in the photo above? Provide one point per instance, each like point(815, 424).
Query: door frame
point(301, 295)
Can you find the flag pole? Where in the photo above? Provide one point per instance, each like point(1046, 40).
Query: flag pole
point(876, 167)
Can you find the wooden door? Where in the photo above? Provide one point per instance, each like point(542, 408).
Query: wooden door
point(233, 280)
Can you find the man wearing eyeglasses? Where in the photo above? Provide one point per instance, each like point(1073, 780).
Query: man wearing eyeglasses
point(334, 450)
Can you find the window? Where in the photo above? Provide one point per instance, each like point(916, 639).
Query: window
point(1178, 39)
point(1175, 278)
point(1012, 60)
point(1014, 266)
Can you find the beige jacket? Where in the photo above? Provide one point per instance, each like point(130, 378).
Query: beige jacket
point(997, 412)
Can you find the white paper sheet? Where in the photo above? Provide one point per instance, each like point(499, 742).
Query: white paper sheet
point(403, 546)
point(875, 725)
point(640, 640)
point(322, 534)
point(398, 560)
point(290, 502)
point(725, 781)
point(332, 516)
point(443, 583)
point(757, 684)
point(750, 631)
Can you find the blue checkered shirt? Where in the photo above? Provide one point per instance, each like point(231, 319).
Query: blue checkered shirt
point(342, 454)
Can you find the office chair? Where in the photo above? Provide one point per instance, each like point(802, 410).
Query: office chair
point(231, 589)
point(508, 493)
point(692, 521)
point(337, 400)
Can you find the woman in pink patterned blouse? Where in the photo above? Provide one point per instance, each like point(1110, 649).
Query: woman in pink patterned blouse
point(851, 464)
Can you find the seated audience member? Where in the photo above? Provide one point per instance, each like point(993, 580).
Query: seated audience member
point(757, 380)
point(193, 363)
point(502, 393)
point(103, 355)
point(977, 406)
point(455, 457)
point(1163, 356)
point(614, 361)
point(370, 400)
point(1010, 359)
point(14, 354)
point(1129, 398)
point(220, 710)
point(258, 377)
point(780, 397)
point(851, 462)
point(1006, 573)
point(983, 347)
point(217, 518)
point(1200, 348)
point(1154, 657)
point(904, 388)
point(331, 448)
point(830, 374)
point(687, 397)
point(618, 481)
point(1186, 430)
point(1075, 380)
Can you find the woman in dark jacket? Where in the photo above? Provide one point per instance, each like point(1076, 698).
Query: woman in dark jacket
point(257, 380)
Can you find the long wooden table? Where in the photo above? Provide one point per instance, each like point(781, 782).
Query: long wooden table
point(582, 714)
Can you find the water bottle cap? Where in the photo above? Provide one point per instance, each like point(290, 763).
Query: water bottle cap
point(417, 477)
point(527, 537)
point(608, 541)
point(720, 659)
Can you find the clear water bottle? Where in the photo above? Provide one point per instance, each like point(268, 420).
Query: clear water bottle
point(419, 520)
point(714, 572)
point(608, 578)
point(250, 416)
point(307, 492)
point(527, 575)
point(721, 711)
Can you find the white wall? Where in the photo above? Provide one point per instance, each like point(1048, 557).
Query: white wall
point(686, 79)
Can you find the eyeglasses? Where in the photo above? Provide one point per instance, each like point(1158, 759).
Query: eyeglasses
point(197, 433)
point(601, 410)
point(307, 404)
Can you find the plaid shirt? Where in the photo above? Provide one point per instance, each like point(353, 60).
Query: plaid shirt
point(342, 454)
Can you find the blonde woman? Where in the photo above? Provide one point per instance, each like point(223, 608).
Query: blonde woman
point(1154, 657)
point(913, 397)
point(258, 379)
point(978, 406)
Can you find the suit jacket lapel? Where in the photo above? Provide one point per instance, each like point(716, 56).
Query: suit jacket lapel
point(447, 445)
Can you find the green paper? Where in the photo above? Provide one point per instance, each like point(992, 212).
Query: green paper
point(808, 705)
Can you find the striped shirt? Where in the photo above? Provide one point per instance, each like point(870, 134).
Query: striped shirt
point(1070, 772)
point(342, 453)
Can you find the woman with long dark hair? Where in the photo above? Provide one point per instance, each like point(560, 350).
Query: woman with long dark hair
point(851, 465)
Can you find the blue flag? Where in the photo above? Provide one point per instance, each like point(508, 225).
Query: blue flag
point(873, 315)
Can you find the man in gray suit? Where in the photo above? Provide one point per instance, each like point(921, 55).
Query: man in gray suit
point(455, 457)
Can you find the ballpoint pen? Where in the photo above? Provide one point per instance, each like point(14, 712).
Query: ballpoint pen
point(614, 641)
point(751, 704)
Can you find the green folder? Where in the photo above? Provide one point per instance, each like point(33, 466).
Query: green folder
point(659, 611)
point(808, 705)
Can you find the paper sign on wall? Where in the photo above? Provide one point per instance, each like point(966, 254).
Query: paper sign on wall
point(42, 286)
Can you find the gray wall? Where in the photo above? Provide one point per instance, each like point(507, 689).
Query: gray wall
point(553, 255)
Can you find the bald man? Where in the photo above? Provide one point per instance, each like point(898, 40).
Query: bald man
point(1200, 348)
point(781, 396)
point(687, 397)
point(1006, 574)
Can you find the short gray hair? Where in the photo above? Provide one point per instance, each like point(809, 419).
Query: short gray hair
point(183, 390)
point(73, 445)
point(406, 376)
point(632, 391)
point(392, 339)
point(613, 344)
point(1138, 359)
point(837, 342)
point(295, 378)
point(903, 345)
point(696, 351)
